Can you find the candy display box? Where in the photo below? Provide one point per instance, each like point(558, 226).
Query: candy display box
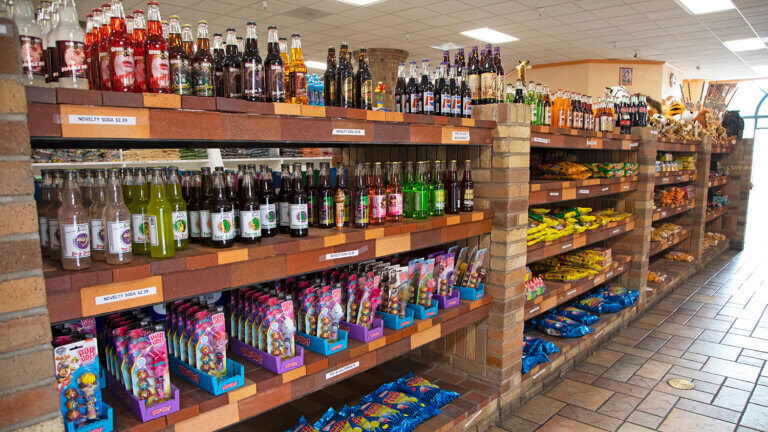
point(213, 385)
point(101, 425)
point(449, 301)
point(395, 322)
point(143, 412)
point(420, 312)
point(267, 361)
point(472, 294)
point(360, 333)
point(322, 346)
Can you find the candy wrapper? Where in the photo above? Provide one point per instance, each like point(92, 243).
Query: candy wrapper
point(576, 315)
point(280, 330)
point(303, 426)
point(533, 345)
point(77, 380)
point(624, 296)
point(210, 343)
point(329, 314)
point(427, 283)
point(555, 325)
point(382, 417)
point(425, 391)
point(597, 305)
point(333, 422)
point(414, 272)
point(402, 402)
point(446, 276)
point(148, 365)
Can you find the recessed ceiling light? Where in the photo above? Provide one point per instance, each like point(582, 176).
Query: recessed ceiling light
point(744, 44)
point(361, 2)
point(446, 46)
point(698, 7)
point(311, 64)
point(489, 35)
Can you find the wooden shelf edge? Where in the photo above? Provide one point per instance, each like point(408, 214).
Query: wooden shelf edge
point(667, 244)
point(716, 214)
point(718, 181)
point(666, 212)
point(675, 177)
point(552, 191)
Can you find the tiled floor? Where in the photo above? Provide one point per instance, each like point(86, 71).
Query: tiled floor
point(712, 330)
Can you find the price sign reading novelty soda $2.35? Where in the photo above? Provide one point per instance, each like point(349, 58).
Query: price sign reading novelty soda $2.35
point(103, 122)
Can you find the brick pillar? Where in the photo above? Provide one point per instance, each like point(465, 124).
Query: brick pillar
point(28, 394)
point(694, 219)
point(383, 63)
point(507, 194)
point(739, 185)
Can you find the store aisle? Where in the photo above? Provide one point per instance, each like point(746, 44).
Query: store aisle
point(713, 330)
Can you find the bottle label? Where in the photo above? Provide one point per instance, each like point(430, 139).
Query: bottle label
point(339, 212)
point(415, 104)
point(534, 109)
point(325, 211)
point(123, 68)
point(222, 225)
point(469, 197)
point(285, 214)
point(141, 72)
point(268, 216)
point(547, 116)
point(154, 239)
point(32, 55)
point(180, 80)
point(399, 103)
point(428, 103)
point(180, 225)
point(203, 72)
point(140, 228)
point(237, 222)
point(366, 93)
point(473, 81)
point(194, 224)
point(106, 81)
point(361, 210)
point(298, 216)
point(71, 56)
point(42, 222)
point(233, 82)
point(276, 81)
point(253, 76)
point(395, 204)
point(488, 85)
point(159, 70)
point(98, 241)
point(379, 206)
point(331, 96)
point(250, 222)
point(439, 199)
point(119, 237)
point(299, 85)
point(446, 103)
point(347, 90)
point(466, 107)
point(75, 241)
point(500, 86)
point(456, 105)
point(54, 241)
point(347, 207)
point(205, 223)
point(561, 118)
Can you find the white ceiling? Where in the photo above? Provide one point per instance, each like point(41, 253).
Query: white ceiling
point(549, 30)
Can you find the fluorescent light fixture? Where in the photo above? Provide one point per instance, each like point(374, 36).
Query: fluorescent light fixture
point(446, 46)
point(489, 35)
point(311, 64)
point(698, 7)
point(761, 70)
point(361, 2)
point(745, 44)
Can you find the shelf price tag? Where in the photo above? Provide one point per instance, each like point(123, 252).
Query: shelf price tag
point(541, 140)
point(342, 370)
point(616, 231)
point(609, 274)
point(352, 132)
point(584, 191)
point(534, 310)
point(591, 143)
point(665, 180)
point(460, 135)
point(567, 245)
point(570, 293)
point(346, 254)
point(605, 189)
point(102, 120)
point(125, 295)
point(80, 121)
point(632, 144)
point(554, 194)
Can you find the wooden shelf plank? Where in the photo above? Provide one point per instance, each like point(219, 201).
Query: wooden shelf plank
point(552, 191)
point(668, 145)
point(712, 215)
point(660, 246)
point(541, 250)
point(718, 181)
point(562, 138)
point(668, 178)
point(665, 212)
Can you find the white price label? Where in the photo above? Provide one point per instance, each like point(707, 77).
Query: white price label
point(632, 144)
point(539, 373)
point(665, 180)
point(346, 254)
point(554, 194)
point(460, 136)
point(680, 178)
point(354, 132)
point(101, 120)
point(616, 231)
point(126, 295)
point(591, 143)
point(534, 309)
point(654, 132)
point(566, 246)
point(3, 29)
point(663, 214)
point(609, 274)
point(341, 370)
point(625, 187)
point(621, 269)
point(541, 140)
point(605, 189)
point(571, 292)
point(584, 191)
point(599, 334)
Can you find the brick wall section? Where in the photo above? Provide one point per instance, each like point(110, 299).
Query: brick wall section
point(738, 188)
point(694, 218)
point(27, 390)
point(383, 63)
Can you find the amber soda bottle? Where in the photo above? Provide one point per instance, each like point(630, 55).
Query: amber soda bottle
point(180, 62)
point(222, 215)
point(364, 82)
point(345, 81)
point(452, 190)
point(218, 64)
point(311, 195)
point(204, 206)
point(325, 209)
point(341, 198)
point(298, 72)
point(330, 85)
point(467, 189)
point(274, 68)
point(202, 65)
point(233, 64)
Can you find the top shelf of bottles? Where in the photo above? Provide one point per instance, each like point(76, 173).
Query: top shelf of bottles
point(67, 118)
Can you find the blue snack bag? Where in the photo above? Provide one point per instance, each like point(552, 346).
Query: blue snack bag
point(576, 314)
point(530, 361)
point(403, 402)
point(624, 296)
point(597, 305)
point(302, 426)
point(381, 417)
point(425, 391)
point(533, 345)
point(555, 325)
point(333, 421)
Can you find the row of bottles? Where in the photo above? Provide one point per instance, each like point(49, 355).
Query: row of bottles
point(343, 87)
point(92, 214)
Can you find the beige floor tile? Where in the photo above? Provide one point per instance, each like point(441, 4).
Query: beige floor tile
point(715, 350)
point(604, 357)
point(755, 417)
point(539, 409)
point(645, 419)
point(627, 389)
point(619, 405)
point(518, 424)
point(653, 369)
point(580, 394)
point(709, 410)
point(760, 396)
point(731, 369)
point(658, 403)
point(679, 420)
point(731, 398)
point(590, 417)
point(562, 424)
point(621, 371)
point(631, 427)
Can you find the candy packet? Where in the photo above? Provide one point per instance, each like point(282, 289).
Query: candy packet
point(425, 391)
point(427, 283)
point(555, 325)
point(533, 345)
point(576, 314)
point(624, 296)
point(303, 426)
point(381, 417)
point(77, 380)
point(597, 305)
point(531, 360)
point(333, 422)
point(403, 402)
point(210, 343)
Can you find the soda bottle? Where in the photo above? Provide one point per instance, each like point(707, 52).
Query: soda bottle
point(360, 201)
point(530, 100)
point(116, 220)
point(547, 107)
point(421, 193)
point(311, 189)
point(70, 49)
point(452, 192)
point(466, 95)
point(179, 213)
point(139, 49)
point(74, 225)
point(408, 191)
point(156, 53)
point(233, 64)
point(413, 92)
point(250, 212)
point(129, 25)
point(181, 79)
point(501, 78)
point(187, 42)
point(643, 110)
point(86, 184)
point(284, 200)
point(218, 64)
point(222, 214)
point(401, 97)
point(52, 215)
point(394, 195)
point(160, 219)
point(122, 68)
point(193, 207)
point(204, 206)
point(98, 240)
point(202, 65)
point(299, 224)
point(298, 72)
point(443, 98)
point(330, 85)
point(283, 46)
point(253, 68)
point(454, 83)
point(31, 40)
point(377, 197)
point(488, 77)
point(51, 55)
point(139, 215)
point(267, 208)
point(325, 216)
point(240, 44)
point(340, 198)
point(519, 92)
point(46, 186)
point(364, 82)
point(467, 189)
point(427, 89)
point(437, 191)
point(474, 77)
point(275, 80)
point(539, 105)
point(93, 49)
point(341, 183)
point(345, 80)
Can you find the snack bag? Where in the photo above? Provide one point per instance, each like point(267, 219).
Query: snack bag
point(357, 421)
point(597, 305)
point(382, 417)
point(624, 296)
point(77, 380)
point(406, 404)
point(555, 325)
point(333, 422)
point(303, 426)
point(533, 345)
point(425, 391)
point(576, 315)
point(529, 361)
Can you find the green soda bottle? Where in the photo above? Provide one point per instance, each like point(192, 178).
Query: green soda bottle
point(178, 211)
point(437, 191)
point(138, 208)
point(421, 193)
point(408, 196)
point(431, 187)
point(159, 215)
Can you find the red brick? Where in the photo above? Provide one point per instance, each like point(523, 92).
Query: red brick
point(9, 49)
point(195, 282)
point(20, 294)
point(249, 272)
point(15, 140)
point(28, 404)
point(24, 332)
point(121, 99)
point(16, 178)
point(264, 401)
point(42, 120)
point(122, 274)
point(19, 255)
point(78, 97)
point(21, 369)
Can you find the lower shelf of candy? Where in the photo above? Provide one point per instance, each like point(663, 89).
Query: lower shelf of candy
point(264, 390)
point(660, 246)
point(672, 272)
point(665, 212)
point(541, 250)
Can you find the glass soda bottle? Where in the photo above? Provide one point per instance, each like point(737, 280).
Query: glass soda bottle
point(180, 61)
point(122, 68)
point(282, 44)
point(102, 50)
point(408, 191)
point(204, 206)
point(116, 220)
point(421, 193)
point(98, 231)
point(488, 77)
point(284, 200)
point(427, 89)
point(70, 49)
point(394, 195)
point(179, 213)
point(93, 50)
point(222, 214)
point(454, 87)
point(360, 199)
point(230, 186)
point(329, 79)
point(474, 77)
point(414, 104)
point(51, 55)
point(156, 53)
point(140, 49)
point(340, 198)
point(250, 213)
point(341, 183)
point(46, 186)
point(400, 95)
point(233, 63)
point(218, 64)
point(299, 224)
point(325, 214)
point(501, 83)
point(298, 72)
point(31, 40)
point(345, 80)
point(364, 82)
point(311, 188)
point(437, 191)
point(466, 95)
point(378, 195)
point(139, 222)
point(74, 225)
point(252, 67)
point(188, 42)
point(452, 195)
point(467, 189)
point(52, 215)
point(160, 219)
point(202, 65)
point(267, 207)
point(274, 86)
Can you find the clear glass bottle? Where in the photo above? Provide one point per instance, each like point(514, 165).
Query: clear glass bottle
point(74, 226)
point(95, 211)
point(202, 65)
point(160, 218)
point(52, 214)
point(452, 190)
point(379, 194)
point(394, 195)
point(179, 59)
point(52, 56)
point(31, 39)
point(139, 216)
point(70, 48)
point(274, 84)
point(116, 218)
point(46, 185)
point(193, 207)
point(360, 199)
point(325, 216)
point(467, 189)
point(284, 200)
point(179, 212)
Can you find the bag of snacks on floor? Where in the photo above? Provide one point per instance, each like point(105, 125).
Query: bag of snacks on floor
point(333, 422)
point(624, 296)
point(303, 426)
point(425, 391)
point(533, 345)
point(381, 417)
point(576, 314)
point(597, 305)
point(555, 325)
point(403, 402)
point(529, 361)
